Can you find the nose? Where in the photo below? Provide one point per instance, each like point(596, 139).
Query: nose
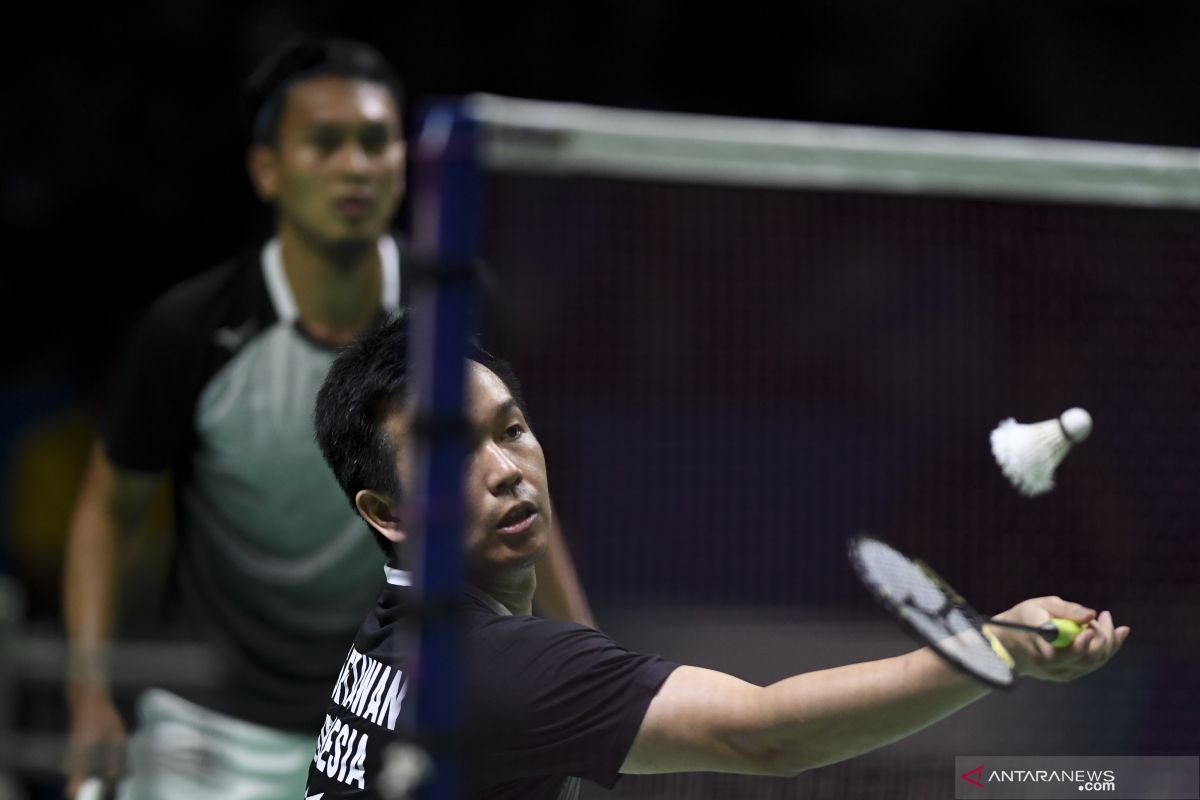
point(503, 474)
point(352, 158)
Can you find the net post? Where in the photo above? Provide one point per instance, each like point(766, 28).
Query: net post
point(445, 235)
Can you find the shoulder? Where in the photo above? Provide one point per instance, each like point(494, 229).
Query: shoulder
point(544, 655)
point(521, 634)
point(206, 299)
point(547, 699)
point(508, 632)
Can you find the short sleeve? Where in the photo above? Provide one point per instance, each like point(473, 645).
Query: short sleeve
point(147, 416)
point(555, 695)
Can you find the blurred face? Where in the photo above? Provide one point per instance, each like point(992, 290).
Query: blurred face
point(506, 514)
point(336, 172)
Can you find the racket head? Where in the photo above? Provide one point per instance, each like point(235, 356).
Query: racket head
point(931, 611)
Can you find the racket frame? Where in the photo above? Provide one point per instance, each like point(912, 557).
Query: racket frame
point(954, 601)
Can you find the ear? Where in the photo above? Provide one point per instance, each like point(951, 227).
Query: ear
point(381, 514)
point(262, 162)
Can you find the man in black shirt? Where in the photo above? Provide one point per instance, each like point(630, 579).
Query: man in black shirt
point(550, 702)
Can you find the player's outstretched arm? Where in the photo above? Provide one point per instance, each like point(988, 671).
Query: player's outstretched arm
point(703, 720)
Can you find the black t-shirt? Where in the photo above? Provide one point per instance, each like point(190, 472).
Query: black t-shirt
point(273, 566)
point(546, 702)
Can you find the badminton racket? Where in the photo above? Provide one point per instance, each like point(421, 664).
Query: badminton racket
point(939, 616)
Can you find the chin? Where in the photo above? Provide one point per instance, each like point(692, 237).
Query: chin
point(505, 558)
point(528, 554)
point(540, 550)
point(349, 245)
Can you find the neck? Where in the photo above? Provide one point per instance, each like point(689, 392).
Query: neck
point(337, 290)
point(513, 589)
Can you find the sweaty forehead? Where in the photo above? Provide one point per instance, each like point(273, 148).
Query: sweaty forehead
point(337, 99)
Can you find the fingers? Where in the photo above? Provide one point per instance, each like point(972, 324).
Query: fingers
point(80, 768)
point(114, 765)
point(1101, 644)
point(1045, 650)
point(1098, 648)
point(1089, 645)
point(1066, 660)
point(97, 743)
point(1084, 641)
point(1119, 635)
point(1067, 610)
point(1091, 648)
point(104, 760)
point(1104, 623)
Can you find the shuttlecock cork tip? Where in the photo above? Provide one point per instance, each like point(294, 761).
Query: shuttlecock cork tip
point(1076, 424)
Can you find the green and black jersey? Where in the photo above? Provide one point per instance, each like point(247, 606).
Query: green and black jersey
point(271, 564)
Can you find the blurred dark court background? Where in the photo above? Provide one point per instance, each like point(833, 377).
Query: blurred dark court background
point(728, 382)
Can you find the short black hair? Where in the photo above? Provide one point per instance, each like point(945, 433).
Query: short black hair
point(367, 379)
point(307, 56)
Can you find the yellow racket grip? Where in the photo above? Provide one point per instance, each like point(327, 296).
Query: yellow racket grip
point(1067, 629)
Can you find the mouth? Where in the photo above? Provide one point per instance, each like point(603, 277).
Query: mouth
point(353, 207)
point(519, 519)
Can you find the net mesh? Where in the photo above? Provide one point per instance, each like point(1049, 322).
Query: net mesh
point(731, 376)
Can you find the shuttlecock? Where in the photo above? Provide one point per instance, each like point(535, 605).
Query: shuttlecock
point(1028, 454)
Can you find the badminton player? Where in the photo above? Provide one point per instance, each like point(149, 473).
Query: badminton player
point(548, 703)
point(217, 391)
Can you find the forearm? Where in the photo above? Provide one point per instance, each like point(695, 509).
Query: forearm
point(559, 594)
point(109, 509)
point(827, 716)
point(701, 719)
point(89, 595)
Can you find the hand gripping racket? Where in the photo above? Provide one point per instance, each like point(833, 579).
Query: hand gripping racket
point(937, 615)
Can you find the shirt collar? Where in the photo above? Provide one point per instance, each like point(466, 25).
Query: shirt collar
point(397, 577)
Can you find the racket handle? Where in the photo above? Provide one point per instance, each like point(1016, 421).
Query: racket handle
point(1061, 632)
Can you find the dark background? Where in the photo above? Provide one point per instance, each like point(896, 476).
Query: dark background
point(121, 173)
point(122, 155)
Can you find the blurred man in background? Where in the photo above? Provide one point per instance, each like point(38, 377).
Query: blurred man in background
point(217, 389)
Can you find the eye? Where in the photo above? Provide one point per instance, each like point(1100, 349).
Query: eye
point(514, 432)
point(326, 141)
point(374, 139)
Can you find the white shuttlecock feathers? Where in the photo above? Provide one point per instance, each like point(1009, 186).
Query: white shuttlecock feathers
point(1028, 454)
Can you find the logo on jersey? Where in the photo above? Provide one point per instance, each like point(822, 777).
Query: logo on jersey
point(232, 339)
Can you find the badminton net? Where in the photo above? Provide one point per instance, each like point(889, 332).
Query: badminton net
point(744, 340)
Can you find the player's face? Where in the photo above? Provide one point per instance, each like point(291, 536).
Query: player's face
point(506, 509)
point(339, 160)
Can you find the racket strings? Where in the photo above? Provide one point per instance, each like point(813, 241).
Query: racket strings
point(931, 609)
